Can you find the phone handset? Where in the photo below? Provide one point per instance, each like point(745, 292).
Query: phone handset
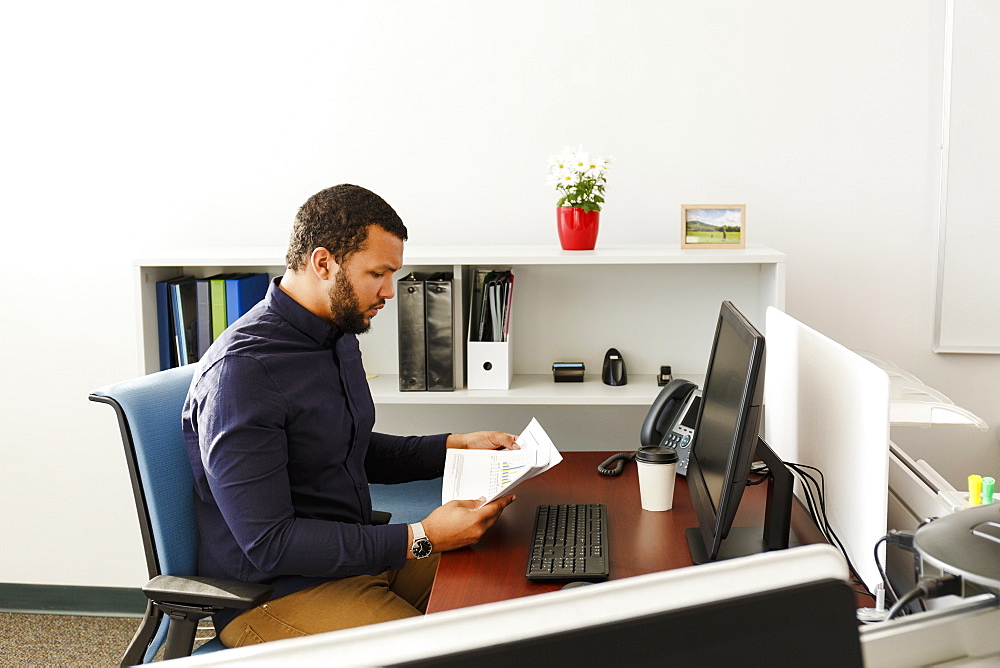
point(662, 416)
point(664, 411)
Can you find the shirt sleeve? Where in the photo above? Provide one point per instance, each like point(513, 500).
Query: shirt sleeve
point(244, 454)
point(393, 459)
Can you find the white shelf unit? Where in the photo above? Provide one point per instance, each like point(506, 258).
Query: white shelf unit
point(656, 304)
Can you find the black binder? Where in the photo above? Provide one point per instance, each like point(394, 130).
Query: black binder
point(440, 333)
point(426, 333)
point(412, 344)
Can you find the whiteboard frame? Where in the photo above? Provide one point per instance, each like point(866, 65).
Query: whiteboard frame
point(940, 346)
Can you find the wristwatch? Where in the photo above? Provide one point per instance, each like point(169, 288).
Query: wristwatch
point(421, 548)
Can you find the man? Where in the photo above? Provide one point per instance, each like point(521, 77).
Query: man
point(278, 423)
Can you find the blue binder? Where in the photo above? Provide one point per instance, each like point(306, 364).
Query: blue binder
point(165, 324)
point(243, 291)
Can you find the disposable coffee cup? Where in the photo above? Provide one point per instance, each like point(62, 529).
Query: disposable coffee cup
point(657, 470)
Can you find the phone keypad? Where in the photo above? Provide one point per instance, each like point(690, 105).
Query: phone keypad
point(676, 440)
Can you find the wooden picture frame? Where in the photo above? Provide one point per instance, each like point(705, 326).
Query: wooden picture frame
point(713, 225)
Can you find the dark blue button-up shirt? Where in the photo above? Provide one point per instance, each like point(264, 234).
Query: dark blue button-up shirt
point(278, 423)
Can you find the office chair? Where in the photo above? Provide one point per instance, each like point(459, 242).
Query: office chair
point(149, 416)
point(406, 502)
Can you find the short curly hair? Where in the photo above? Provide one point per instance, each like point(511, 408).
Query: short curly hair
point(338, 219)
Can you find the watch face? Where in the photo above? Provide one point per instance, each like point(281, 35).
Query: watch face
point(421, 548)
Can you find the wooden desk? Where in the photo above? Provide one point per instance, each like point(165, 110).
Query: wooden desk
point(639, 541)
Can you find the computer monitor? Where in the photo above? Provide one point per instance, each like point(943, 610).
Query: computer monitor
point(725, 443)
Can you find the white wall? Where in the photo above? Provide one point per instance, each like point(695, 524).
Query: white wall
point(128, 128)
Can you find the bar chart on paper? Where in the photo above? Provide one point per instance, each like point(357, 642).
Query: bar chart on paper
point(488, 474)
point(474, 474)
point(509, 472)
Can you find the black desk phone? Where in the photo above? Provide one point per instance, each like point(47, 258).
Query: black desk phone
point(670, 421)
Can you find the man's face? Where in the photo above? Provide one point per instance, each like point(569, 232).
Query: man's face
point(365, 281)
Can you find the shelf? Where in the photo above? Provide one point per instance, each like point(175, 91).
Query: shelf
point(649, 254)
point(913, 403)
point(529, 389)
point(269, 256)
point(484, 255)
point(656, 303)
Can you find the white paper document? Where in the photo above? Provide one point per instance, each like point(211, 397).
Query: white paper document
point(490, 474)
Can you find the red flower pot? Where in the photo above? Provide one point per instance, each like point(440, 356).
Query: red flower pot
point(577, 228)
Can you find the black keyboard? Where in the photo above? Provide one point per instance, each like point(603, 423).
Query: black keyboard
point(569, 543)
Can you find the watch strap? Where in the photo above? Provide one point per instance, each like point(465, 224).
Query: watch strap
point(418, 531)
point(421, 547)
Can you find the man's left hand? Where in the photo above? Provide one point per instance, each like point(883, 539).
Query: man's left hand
point(483, 440)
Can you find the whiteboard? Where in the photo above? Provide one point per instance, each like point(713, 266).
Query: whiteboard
point(967, 317)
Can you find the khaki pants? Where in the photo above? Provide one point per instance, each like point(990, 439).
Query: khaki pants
point(337, 604)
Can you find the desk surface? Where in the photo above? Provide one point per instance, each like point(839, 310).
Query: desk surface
point(639, 541)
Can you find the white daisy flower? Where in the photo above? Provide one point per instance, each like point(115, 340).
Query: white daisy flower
point(580, 176)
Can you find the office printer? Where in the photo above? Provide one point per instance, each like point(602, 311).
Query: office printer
point(962, 549)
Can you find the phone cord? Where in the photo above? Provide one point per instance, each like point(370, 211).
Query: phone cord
point(615, 464)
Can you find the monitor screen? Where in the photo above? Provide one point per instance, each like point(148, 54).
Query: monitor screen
point(726, 436)
point(728, 398)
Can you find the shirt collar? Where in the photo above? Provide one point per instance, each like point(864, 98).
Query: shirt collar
point(299, 317)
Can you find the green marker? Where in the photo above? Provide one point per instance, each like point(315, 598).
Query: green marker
point(988, 484)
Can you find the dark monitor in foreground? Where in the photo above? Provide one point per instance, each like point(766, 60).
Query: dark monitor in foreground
point(811, 624)
point(786, 608)
point(725, 444)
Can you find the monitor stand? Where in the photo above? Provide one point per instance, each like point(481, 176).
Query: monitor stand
point(775, 534)
point(741, 542)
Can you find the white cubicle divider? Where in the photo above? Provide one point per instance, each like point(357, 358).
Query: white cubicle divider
point(445, 634)
point(828, 407)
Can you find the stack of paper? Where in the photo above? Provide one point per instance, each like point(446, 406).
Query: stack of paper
point(490, 474)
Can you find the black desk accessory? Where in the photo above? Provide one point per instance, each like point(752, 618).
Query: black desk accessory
point(614, 368)
point(567, 372)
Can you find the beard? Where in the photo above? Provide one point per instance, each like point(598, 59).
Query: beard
point(348, 316)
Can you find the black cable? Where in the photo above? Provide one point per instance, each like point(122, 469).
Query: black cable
point(909, 596)
point(811, 495)
point(881, 571)
point(827, 528)
point(614, 464)
point(808, 492)
point(815, 498)
point(904, 540)
point(947, 585)
point(816, 501)
point(820, 490)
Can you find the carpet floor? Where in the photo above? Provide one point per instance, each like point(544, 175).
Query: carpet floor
point(30, 639)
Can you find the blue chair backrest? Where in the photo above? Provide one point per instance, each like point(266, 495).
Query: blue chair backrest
point(149, 414)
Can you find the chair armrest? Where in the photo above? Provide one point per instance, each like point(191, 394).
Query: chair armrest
point(203, 591)
point(381, 517)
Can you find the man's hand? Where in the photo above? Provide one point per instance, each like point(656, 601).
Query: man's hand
point(483, 440)
point(461, 523)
